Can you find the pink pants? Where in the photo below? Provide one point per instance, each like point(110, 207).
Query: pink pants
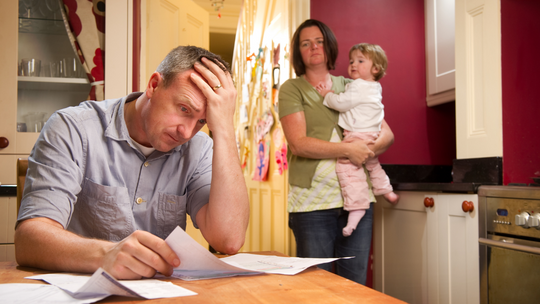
point(354, 186)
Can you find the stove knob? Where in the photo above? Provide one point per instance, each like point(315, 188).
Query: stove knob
point(534, 221)
point(522, 219)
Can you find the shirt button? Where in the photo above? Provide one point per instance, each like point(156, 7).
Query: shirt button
point(146, 164)
point(139, 200)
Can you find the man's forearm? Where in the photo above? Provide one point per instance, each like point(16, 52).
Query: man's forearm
point(43, 243)
point(227, 214)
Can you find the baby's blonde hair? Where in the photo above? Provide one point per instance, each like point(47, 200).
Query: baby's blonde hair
point(377, 56)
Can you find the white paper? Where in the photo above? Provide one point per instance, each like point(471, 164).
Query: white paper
point(198, 263)
point(39, 293)
point(274, 264)
point(103, 284)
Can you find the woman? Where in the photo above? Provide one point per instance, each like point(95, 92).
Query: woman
point(315, 205)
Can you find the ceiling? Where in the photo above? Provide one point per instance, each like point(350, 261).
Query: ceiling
point(229, 14)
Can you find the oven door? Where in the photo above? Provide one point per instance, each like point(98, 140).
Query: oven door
point(510, 270)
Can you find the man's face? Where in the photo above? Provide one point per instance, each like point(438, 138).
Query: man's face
point(173, 115)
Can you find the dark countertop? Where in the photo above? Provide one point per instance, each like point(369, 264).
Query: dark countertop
point(464, 176)
point(438, 187)
point(8, 190)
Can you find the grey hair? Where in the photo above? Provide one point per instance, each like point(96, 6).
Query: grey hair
point(183, 58)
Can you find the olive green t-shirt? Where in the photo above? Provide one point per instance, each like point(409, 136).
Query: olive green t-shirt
point(297, 95)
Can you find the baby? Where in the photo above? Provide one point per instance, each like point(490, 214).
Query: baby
point(361, 115)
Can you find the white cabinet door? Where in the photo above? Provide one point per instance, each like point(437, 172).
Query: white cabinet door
point(458, 256)
point(402, 252)
point(440, 36)
point(479, 122)
point(427, 255)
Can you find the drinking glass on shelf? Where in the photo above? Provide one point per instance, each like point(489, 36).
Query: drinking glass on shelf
point(45, 71)
point(71, 67)
point(35, 121)
point(30, 67)
point(54, 69)
point(61, 68)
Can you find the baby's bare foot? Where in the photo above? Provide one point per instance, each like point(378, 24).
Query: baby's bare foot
point(392, 198)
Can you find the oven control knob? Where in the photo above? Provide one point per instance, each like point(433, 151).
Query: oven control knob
point(522, 219)
point(534, 221)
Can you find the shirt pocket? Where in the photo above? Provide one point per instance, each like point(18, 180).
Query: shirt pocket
point(171, 213)
point(104, 212)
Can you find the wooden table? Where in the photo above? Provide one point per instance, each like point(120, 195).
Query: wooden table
point(313, 285)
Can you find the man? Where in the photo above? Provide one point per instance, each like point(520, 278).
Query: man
point(108, 181)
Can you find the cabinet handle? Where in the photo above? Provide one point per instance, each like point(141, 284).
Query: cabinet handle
point(429, 202)
point(467, 206)
point(4, 142)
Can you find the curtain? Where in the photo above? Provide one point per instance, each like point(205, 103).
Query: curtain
point(85, 25)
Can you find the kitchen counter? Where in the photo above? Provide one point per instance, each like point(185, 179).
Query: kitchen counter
point(464, 176)
point(8, 190)
point(438, 187)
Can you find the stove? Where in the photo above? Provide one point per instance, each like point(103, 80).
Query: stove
point(509, 238)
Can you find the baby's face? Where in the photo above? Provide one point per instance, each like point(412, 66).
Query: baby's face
point(361, 66)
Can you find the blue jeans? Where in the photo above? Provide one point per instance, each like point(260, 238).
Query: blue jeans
point(318, 234)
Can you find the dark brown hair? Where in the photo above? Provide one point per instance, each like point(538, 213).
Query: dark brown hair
point(330, 46)
point(182, 58)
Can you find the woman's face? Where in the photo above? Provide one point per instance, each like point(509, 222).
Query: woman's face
point(312, 47)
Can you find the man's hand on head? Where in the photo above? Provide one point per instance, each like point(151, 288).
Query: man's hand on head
point(218, 87)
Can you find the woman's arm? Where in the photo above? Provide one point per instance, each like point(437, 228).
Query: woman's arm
point(294, 128)
point(385, 140)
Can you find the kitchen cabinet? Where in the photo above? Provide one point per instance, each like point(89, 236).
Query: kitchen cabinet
point(479, 116)
point(427, 254)
point(440, 62)
point(8, 215)
point(32, 29)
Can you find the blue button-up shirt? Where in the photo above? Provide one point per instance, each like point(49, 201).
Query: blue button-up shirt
point(86, 174)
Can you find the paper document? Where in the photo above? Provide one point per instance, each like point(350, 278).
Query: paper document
point(101, 284)
point(274, 264)
point(198, 263)
point(39, 293)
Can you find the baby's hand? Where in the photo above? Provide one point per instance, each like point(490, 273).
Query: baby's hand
point(321, 88)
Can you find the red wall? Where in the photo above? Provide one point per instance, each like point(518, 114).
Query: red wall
point(520, 39)
point(423, 136)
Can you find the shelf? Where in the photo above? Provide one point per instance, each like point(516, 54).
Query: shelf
point(42, 26)
point(51, 83)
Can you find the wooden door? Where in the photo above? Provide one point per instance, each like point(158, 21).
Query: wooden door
point(167, 25)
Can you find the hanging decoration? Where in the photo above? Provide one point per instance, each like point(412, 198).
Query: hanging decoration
point(218, 5)
point(280, 147)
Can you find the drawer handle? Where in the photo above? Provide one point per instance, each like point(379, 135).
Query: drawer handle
point(429, 202)
point(467, 206)
point(4, 142)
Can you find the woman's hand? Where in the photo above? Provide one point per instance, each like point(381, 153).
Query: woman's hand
point(359, 151)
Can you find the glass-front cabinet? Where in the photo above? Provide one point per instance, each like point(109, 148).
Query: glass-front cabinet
point(39, 74)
